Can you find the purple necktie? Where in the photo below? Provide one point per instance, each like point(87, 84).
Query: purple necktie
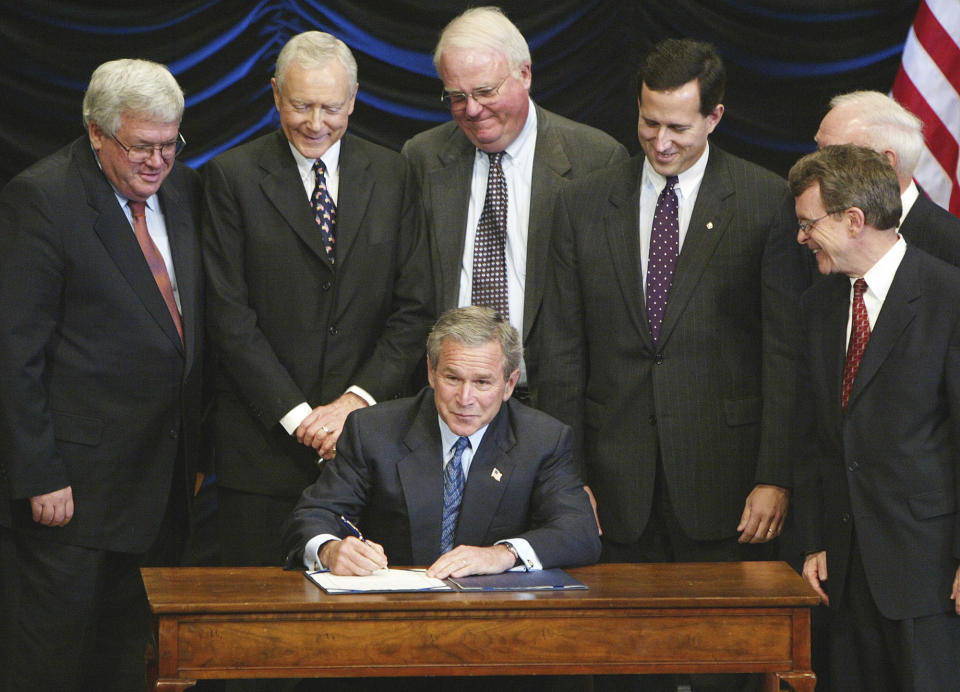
point(664, 250)
point(324, 209)
point(489, 287)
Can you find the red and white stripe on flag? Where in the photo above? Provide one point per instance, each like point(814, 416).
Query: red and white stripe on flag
point(928, 84)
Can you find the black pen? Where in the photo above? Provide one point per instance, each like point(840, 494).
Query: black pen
point(352, 528)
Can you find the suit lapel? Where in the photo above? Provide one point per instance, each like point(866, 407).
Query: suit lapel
point(451, 184)
point(708, 223)
point(621, 226)
point(116, 234)
point(550, 166)
point(490, 473)
point(898, 311)
point(281, 184)
point(421, 481)
point(180, 228)
point(355, 193)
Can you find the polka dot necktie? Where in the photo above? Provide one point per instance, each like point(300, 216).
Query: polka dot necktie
point(452, 495)
point(859, 336)
point(324, 209)
point(662, 259)
point(489, 287)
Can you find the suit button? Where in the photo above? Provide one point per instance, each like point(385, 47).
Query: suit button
point(659, 359)
point(845, 518)
point(333, 331)
point(326, 285)
point(173, 433)
point(652, 419)
point(852, 466)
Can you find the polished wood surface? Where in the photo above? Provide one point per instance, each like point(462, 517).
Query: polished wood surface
point(635, 618)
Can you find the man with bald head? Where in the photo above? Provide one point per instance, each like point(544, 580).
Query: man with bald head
point(874, 120)
point(319, 292)
point(501, 157)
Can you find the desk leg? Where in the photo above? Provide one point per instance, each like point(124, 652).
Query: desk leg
point(798, 682)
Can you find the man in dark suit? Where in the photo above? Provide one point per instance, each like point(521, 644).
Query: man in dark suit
point(101, 296)
point(877, 485)
point(876, 121)
point(684, 408)
point(484, 63)
point(523, 504)
point(319, 292)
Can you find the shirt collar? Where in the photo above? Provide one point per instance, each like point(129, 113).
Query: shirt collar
point(880, 276)
point(330, 158)
point(688, 181)
point(449, 438)
point(907, 200)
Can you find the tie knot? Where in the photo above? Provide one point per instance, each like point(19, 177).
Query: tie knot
point(672, 182)
point(136, 208)
point(859, 287)
point(319, 168)
point(462, 444)
point(495, 157)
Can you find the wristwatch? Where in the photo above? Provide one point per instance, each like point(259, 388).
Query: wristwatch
point(517, 561)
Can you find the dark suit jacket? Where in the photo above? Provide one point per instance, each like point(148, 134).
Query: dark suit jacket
point(716, 398)
point(287, 325)
point(96, 389)
point(888, 467)
point(388, 474)
point(933, 229)
point(442, 158)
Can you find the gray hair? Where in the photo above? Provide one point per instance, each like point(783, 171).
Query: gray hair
point(476, 326)
point(887, 125)
point(851, 176)
point(312, 49)
point(135, 87)
point(484, 27)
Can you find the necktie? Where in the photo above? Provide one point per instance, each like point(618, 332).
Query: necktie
point(452, 494)
point(324, 209)
point(859, 336)
point(489, 251)
point(155, 260)
point(662, 259)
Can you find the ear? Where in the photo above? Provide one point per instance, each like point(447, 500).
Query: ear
point(511, 384)
point(526, 75)
point(96, 136)
point(353, 99)
point(276, 93)
point(713, 118)
point(431, 373)
point(891, 157)
point(855, 221)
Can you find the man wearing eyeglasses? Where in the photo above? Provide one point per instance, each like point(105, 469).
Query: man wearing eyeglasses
point(101, 297)
point(489, 233)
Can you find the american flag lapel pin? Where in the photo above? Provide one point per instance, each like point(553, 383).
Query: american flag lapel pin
point(496, 475)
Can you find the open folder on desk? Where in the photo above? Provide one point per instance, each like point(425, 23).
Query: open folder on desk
point(398, 580)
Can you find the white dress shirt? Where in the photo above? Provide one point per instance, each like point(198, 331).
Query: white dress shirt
point(878, 279)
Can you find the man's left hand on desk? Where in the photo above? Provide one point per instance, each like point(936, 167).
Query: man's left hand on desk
point(465, 560)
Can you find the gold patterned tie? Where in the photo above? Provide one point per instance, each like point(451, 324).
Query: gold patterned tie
point(155, 260)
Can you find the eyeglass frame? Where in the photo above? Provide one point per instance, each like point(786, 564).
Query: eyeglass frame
point(179, 143)
point(804, 227)
point(458, 99)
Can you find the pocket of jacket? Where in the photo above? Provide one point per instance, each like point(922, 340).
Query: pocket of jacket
point(69, 427)
point(743, 411)
point(935, 503)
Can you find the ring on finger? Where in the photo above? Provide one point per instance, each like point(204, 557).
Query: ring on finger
point(325, 429)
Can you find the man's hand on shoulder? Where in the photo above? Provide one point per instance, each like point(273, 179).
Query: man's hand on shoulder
point(53, 509)
point(353, 557)
point(322, 428)
point(763, 514)
point(465, 560)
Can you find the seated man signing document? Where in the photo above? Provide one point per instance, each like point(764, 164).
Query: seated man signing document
point(460, 477)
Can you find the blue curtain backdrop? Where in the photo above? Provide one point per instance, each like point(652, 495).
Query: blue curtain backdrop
point(785, 60)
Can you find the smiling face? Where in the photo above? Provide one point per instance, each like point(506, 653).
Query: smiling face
point(672, 131)
point(469, 384)
point(314, 106)
point(494, 126)
point(828, 238)
point(135, 181)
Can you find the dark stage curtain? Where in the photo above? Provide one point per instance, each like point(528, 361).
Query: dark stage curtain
point(785, 60)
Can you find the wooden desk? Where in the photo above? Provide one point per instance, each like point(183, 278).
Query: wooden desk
point(645, 618)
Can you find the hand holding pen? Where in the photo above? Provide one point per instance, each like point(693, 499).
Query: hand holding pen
point(354, 555)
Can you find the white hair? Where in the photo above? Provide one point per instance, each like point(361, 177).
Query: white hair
point(312, 49)
point(136, 87)
point(485, 28)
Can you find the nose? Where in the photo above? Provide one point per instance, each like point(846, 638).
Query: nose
point(663, 139)
point(472, 107)
point(156, 158)
point(802, 236)
point(464, 393)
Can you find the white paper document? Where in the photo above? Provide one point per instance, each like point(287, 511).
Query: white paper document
point(380, 581)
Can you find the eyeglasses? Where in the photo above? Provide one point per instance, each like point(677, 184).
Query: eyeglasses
point(139, 153)
point(483, 95)
point(805, 226)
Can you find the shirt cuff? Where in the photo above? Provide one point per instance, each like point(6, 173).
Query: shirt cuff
point(311, 552)
point(295, 416)
point(526, 554)
point(362, 393)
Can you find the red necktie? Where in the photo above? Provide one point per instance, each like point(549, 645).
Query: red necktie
point(859, 336)
point(155, 260)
